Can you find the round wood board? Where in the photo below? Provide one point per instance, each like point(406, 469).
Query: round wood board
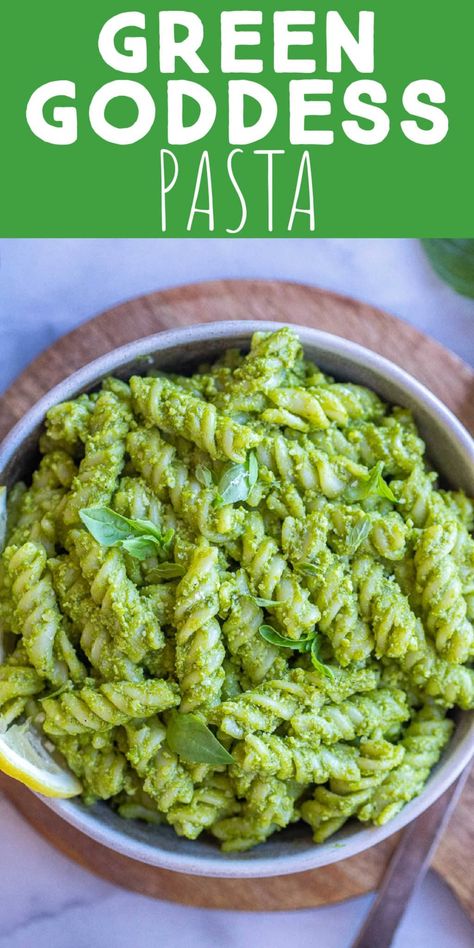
point(445, 374)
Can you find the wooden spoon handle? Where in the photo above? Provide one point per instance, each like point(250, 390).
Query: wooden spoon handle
point(407, 869)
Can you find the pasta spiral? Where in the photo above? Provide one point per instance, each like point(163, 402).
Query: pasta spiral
point(441, 592)
point(330, 808)
point(309, 468)
point(423, 743)
point(273, 358)
point(272, 579)
point(240, 631)
point(385, 607)
point(36, 614)
point(296, 759)
point(268, 808)
point(394, 441)
point(170, 408)
point(143, 740)
point(96, 641)
point(167, 781)
point(100, 766)
point(448, 683)
point(131, 621)
point(333, 591)
point(266, 707)
point(321, 405)
point(67, 425)
point(101, 708)
point(211, 801)
point(171, 478)
point(361, 715)
point(17, 684)
point(35, 517)
point(199, 648)
point(103, 459)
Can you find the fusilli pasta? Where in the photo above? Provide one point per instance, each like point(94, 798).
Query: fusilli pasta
point(237, 598)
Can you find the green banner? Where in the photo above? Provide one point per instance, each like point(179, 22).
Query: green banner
point(246, 119)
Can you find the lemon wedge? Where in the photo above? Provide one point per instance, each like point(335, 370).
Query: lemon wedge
point(24, 756)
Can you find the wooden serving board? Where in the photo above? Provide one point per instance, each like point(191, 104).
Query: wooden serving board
point(445, 374)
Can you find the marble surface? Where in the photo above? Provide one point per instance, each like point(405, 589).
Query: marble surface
point(50, 286)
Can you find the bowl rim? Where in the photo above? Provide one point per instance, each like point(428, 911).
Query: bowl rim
point(321, 855)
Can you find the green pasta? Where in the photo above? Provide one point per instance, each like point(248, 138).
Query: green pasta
point(443, 601)
point(175, 411)
point(36, 616)
point(423, 742)
point(271, 579)
point(266, 707)
point(270, 805)
point(199, 648)
point(103, 459)
point(99, 764)
point(89, 622)
point(212, 800)
point(330, 808)
point(361, 715)
point(104, 707)
point(237, 599)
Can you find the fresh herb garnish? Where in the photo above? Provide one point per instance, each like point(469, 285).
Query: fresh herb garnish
point(189, 737)
point(252, 466)
point(237, 482)
point(140, 538)
point(282, 641)
point(141, 548)
point(168, 571)
point(358, 533)
point(265, 603)
point(373, 484)
point(316, 660)
point(307, 569)
point(310, 643)
point(204, 476)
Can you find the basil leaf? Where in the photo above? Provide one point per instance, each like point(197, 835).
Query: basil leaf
point(142, 528)
point(3, 517)
point(57, 692)
point(141, 548)
point(358, 533)
point(252, 467)
point(204, 476)
point(373, 484)
point(111, 529)
point(189, 737)
point(106, 526)
point(237, 482)
point(233, 486)
point(307, 569)
point(316, 660)
point(166, 539)
point(168, 571)
point(453, 260)
point(282, 641)
point(264, 603)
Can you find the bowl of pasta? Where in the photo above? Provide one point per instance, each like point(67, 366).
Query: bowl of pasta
point(237, 599)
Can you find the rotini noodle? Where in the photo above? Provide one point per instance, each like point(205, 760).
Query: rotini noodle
point(237, 598)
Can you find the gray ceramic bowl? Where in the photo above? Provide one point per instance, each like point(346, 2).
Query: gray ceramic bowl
point(452, 451)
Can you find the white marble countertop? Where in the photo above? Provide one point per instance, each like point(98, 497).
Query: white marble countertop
point(46, 288)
